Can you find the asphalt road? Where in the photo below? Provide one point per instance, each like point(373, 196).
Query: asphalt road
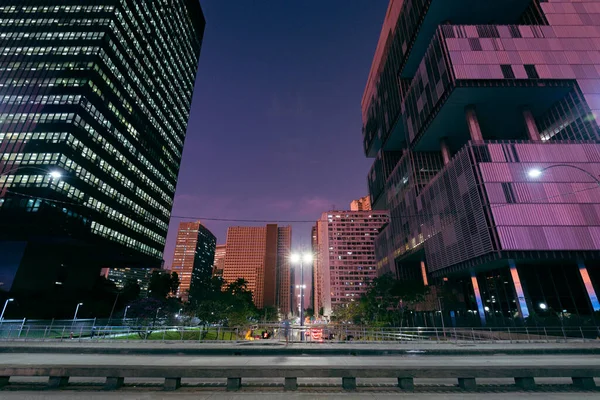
point(289, 396)
point(299, 361)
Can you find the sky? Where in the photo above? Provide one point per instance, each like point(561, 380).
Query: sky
point(275, 126)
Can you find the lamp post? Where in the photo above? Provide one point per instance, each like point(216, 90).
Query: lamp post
point(296, 258)
point(537, 172)
point(76, 311)
point(157, 310)
point(4, 309)
point(125, 313)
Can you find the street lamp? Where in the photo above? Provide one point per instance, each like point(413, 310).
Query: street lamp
point(76, 311)
point(56, 174)
point(543, 306)
point(537, 172)
point(125, 313)
point(296, 258)
point(4, 309)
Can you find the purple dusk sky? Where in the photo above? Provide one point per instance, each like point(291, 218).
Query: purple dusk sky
point(275, 127)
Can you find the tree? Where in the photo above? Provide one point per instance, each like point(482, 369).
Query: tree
point(131, 291)
point(233, 305)
point(162, 284)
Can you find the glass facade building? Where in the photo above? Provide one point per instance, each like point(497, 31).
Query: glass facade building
point(193, 260)
point(481, 106)
point(98, 93)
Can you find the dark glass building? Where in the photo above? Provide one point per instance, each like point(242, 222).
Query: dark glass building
point(94, 104)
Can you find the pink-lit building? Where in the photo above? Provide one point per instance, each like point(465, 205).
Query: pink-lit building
point(344, 243)
point(486, 148)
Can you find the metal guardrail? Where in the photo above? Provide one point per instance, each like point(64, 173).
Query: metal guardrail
point(524, 377)
point(313, 333)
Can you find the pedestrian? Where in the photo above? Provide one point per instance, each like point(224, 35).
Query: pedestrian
point(286, 331)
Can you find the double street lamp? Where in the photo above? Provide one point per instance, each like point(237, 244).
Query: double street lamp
point(298, 258)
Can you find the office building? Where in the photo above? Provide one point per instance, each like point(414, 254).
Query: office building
point(345, 259)
point(94, 104)
point(193, 259)
point(120, 276)
point(362, 204)
point(482, 119)
point(260, 255)
point(219, 263)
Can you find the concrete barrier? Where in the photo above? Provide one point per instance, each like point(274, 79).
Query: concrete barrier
point(582, 377)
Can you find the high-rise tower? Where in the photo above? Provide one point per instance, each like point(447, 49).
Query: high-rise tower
point(260, 255)
point(94, 104)
point(487, 154)
point(193, 259)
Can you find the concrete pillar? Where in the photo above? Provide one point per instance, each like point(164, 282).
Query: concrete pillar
point(55, 382)
point(113, 383)
point(532, 130)
point(445, 150)
point(234, 383)
point(527, 383)
point(473, 124)
point(349, 383)
point(424, 273)
point(519, 293)
point(291, 384)
point(406, 383)
point(478, 300)
point(467, 383)
point(589, 287)
point(172, 383)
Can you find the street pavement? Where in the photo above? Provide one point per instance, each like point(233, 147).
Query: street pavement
point(137, 395)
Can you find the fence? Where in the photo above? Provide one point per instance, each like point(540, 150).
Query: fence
point(91, 330)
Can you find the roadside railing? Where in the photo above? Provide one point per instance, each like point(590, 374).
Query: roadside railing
point(310, 334)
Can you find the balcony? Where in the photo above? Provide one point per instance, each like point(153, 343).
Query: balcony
point(484, 203)
point(489, 67)
point(419, 20)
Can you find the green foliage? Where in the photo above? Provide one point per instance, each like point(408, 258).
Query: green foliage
point(232, 306)
point(384, 303)
point(162, 284)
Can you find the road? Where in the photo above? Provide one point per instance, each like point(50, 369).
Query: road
point(288, 396)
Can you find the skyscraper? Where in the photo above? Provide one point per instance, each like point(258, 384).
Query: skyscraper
point(219, 263)
point(193, 259)
point(362, 204)
point(120, 276)
point(487, 153)
point(94, 103)
point(260, 255)
point(345, 259)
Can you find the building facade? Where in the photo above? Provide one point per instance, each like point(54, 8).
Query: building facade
point(94, 104)
point(345, 257)
point(260, 255)
point(120, 276)
point(219, 264)
point(362, 204)
point(486, 152)
point(193, 259)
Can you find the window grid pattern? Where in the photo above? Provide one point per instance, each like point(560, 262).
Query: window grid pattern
point(72, 79)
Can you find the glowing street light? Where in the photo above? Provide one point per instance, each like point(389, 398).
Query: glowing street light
point(76, 311)
point(4, 309)
point(125, 313)
point(537, 172)
point(297, 258)
point(55, 174)
point(543, 306)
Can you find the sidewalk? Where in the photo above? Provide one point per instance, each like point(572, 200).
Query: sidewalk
point(279, 348)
